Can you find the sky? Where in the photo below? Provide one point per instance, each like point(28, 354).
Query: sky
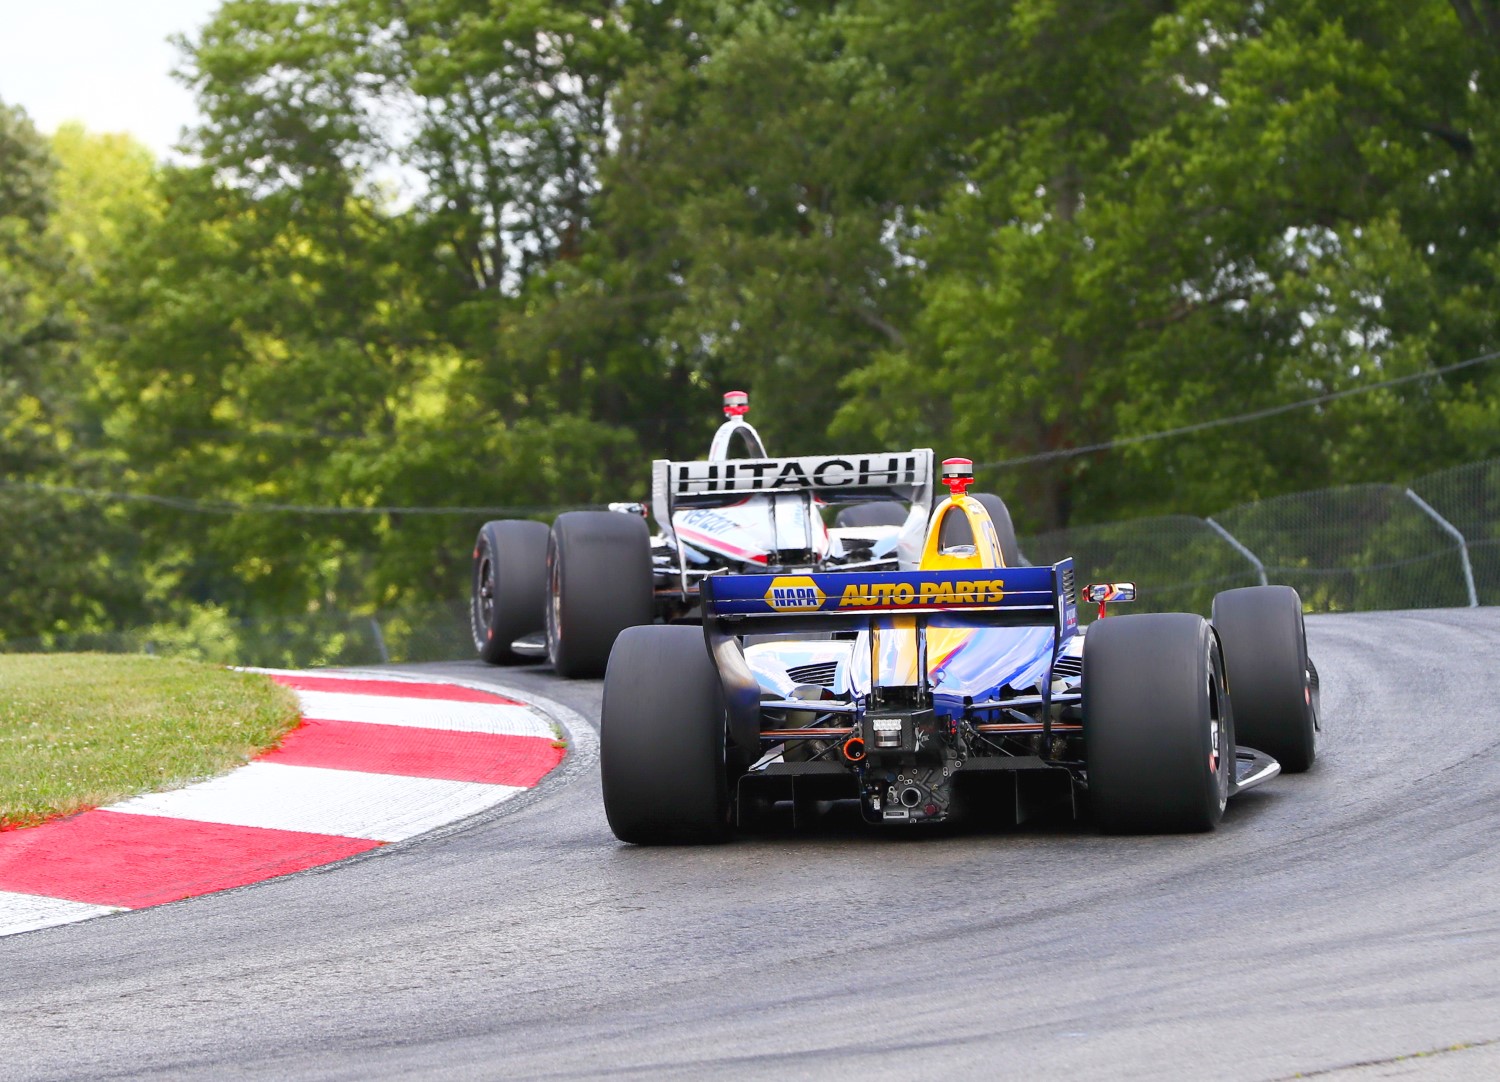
point(103, 62)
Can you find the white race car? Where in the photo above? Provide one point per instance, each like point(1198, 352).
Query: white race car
point(565, 592)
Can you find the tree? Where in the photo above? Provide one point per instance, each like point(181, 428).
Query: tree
point(504, 252)
point(59, 554)
point(743, 228)
point(1188, 211)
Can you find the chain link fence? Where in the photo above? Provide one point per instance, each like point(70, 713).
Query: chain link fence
point(1433, 544)
point(438, 631)
point(1469, 498)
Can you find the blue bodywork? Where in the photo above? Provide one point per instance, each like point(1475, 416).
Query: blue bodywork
point(989, 660)
point(990, 634)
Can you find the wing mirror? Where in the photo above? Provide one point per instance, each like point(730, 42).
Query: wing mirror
point(1104, 593)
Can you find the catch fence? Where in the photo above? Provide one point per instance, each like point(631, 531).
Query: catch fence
point(1432, 544)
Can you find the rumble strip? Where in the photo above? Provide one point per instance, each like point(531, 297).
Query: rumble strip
point(375, 760)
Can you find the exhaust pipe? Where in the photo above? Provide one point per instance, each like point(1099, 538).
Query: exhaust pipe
point(854, 749)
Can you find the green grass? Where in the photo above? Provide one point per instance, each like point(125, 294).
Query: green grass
point(81, 730)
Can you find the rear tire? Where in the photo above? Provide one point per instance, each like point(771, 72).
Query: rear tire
point(1270, 676)
point(599, 583)
point(508, 597)
point(1158, 732)
point(1004, 529)
point(874, 513)
point(662, 739)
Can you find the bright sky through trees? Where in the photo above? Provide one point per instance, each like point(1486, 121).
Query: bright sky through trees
point(101, 62)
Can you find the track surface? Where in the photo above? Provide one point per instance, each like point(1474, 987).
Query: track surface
point(1336, 921)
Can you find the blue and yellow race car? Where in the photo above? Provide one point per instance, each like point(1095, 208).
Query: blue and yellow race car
point(964, 688)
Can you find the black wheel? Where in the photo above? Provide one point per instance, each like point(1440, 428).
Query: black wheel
point(599, 583)
point(1270, 677)
point(874, 513)
point(509, 594)
point(1000, 516)
point(662, 738)
point(1158, 732)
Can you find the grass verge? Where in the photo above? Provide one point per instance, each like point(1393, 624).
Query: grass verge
point(81, 730)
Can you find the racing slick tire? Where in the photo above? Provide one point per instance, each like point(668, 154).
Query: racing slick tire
point(1158, 733)
point(874, 513)
point(599, 583)
point(508, 598)
point(662, 739)
point(1005, 530)
point(1270, 676)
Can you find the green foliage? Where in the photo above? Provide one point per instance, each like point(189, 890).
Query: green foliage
point(460, 253)
point(33, 329)
point(1191, 211)
point(64, 562)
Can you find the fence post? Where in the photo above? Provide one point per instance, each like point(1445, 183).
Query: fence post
point(385, 655)
point(1463, 544)
point(1260, 568)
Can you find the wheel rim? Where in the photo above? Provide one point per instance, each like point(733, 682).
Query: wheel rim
point(486, 592)
point(484, 601)
point(554, 606)
point(1307, 691)
point(1220, 754)
point(1311, 715)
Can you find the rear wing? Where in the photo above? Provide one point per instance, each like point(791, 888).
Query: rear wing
point(735, 605)
point(1008, 596)
point(894, 475)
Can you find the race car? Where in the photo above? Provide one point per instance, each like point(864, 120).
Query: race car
point(963, 688)
point(564, 593)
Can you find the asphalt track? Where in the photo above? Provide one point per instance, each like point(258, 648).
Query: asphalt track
point(1337, 922)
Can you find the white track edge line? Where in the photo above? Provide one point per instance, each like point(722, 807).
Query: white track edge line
point(583, 750)
point(582, 755)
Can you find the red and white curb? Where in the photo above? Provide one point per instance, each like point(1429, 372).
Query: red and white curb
point(376, 760)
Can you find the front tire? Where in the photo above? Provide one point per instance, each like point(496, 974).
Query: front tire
point(1270, 676)
point(662, 739)
point(599, 583)
point(508, 598)
point(1158, 732)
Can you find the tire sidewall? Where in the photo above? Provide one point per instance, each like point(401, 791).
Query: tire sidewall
point(1224, 748)
point(481, 611)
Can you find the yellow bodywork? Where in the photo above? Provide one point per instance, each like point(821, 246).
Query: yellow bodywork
point(981, 550)
point(949, 547)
